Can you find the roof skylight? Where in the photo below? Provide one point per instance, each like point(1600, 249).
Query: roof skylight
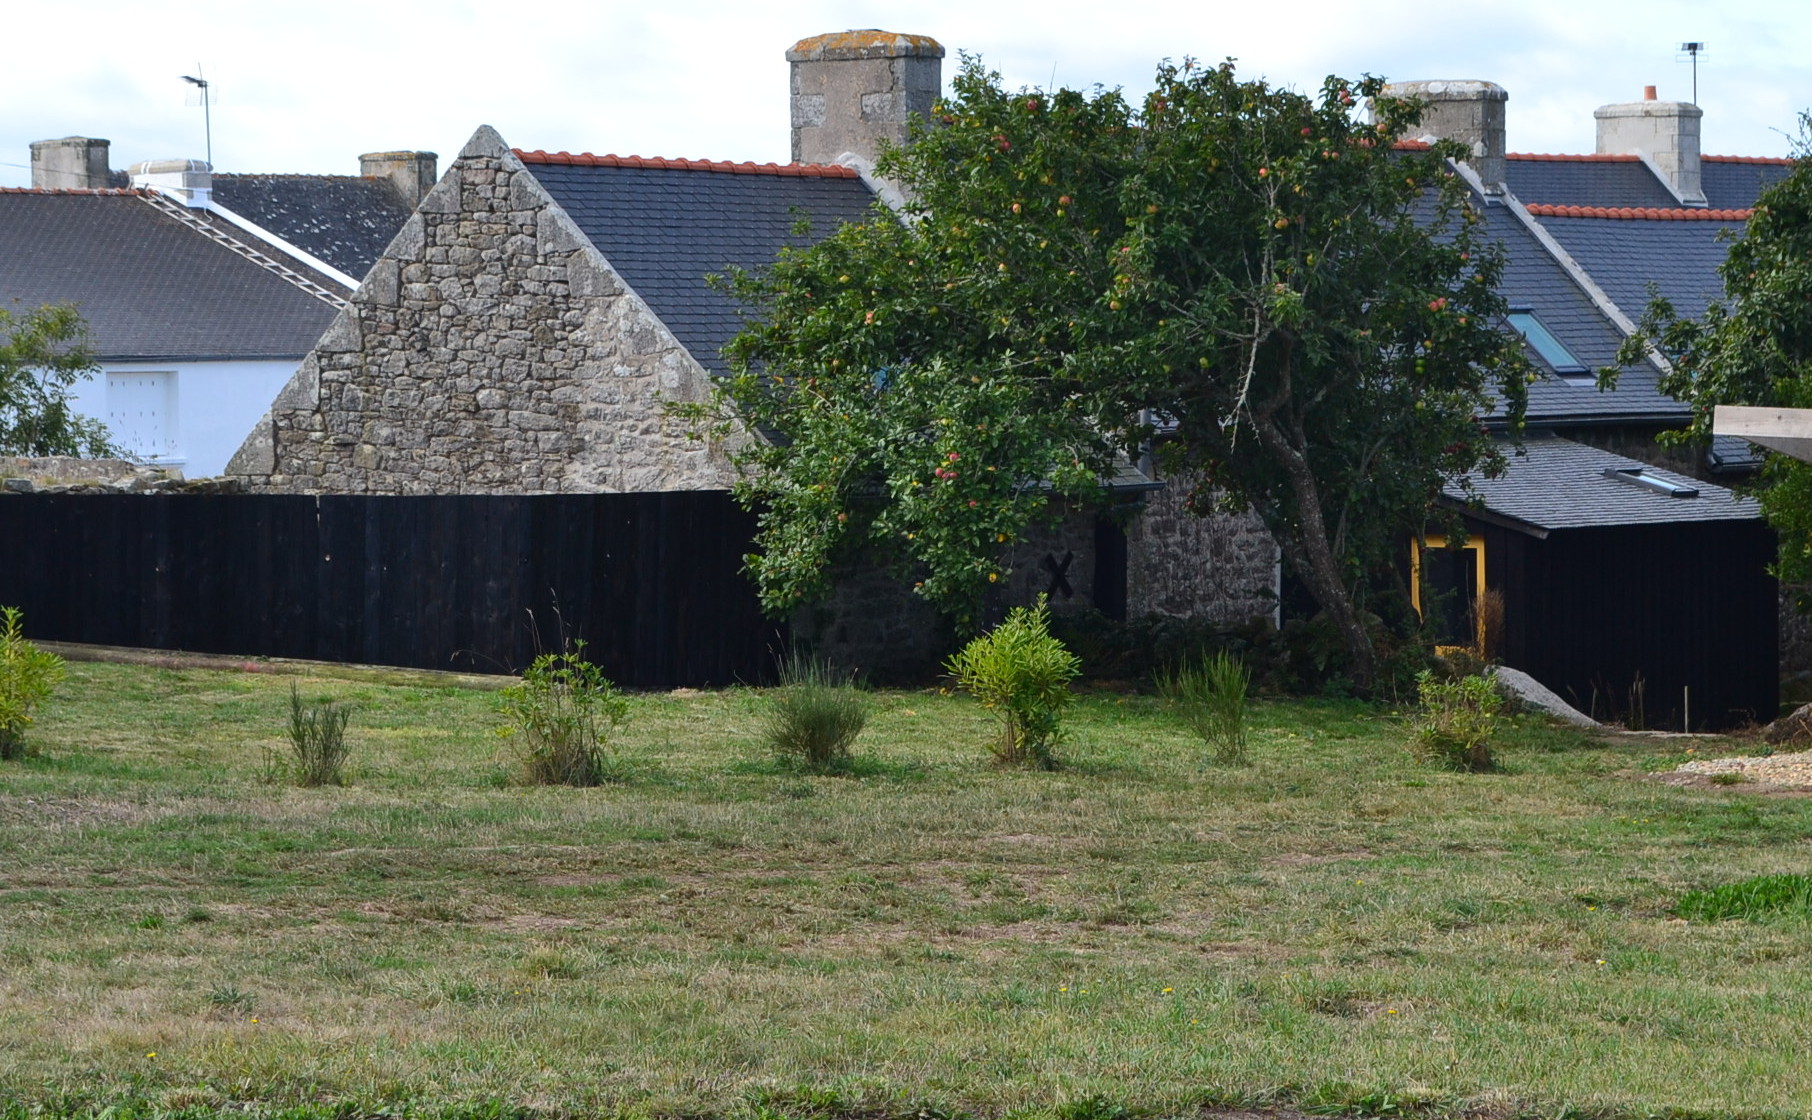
point(1552, 351)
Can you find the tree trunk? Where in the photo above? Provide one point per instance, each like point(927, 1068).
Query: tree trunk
point(1313, 556)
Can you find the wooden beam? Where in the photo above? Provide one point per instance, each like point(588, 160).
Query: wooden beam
point(1786, 430)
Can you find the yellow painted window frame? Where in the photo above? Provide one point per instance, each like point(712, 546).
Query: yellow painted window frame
point(1474, 545)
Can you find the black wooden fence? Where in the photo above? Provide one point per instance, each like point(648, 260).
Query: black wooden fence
point(652, 582)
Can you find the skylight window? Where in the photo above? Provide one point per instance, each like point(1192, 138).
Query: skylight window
point(1559, 359)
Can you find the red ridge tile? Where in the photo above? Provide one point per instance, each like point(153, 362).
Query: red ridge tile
point(1651, 213)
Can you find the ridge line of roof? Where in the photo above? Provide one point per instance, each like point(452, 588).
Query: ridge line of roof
point(1671, 214)
point(1565, 157)
point(1777, 161)
point(658, 163)
point(111, 192)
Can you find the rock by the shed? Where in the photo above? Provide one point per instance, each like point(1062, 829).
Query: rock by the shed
point(1794, 727)
point(1532, 692)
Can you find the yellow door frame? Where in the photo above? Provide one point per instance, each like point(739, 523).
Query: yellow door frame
point(1475, 545)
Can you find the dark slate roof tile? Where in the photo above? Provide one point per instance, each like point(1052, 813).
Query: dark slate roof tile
point(1559, 484)
point(1628, 256)
point(1734, 182)
point(149, 287)
point(665, 229)
point(345, 220)
point(1585, 181)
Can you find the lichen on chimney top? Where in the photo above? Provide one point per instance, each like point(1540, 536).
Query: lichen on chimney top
point(842, 46)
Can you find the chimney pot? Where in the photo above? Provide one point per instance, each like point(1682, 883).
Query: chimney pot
point(1648, 93)
point(853, 91)
point(413, 174)
point(1469, 111)
point(72, 163)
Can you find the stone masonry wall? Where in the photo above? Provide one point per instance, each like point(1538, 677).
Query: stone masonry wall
point(1222, 567)
point(491, 350)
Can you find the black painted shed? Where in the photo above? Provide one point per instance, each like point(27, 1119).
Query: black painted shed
point(1635, 593)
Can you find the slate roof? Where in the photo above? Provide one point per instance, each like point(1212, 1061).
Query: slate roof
point(150, 287)
point(1585, 181)
point(1559, 484)
point(1535, 280)
point(1735, 182)
point(667, 224)
point(344, 220)
point(1679, 258)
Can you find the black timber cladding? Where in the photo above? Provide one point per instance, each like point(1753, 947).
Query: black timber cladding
point(652, 582)
point(666, 229)
point(345, 220)
point(148, 286)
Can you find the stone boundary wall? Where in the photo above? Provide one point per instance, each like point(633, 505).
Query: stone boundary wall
point(491, 350)
point(1221, 568)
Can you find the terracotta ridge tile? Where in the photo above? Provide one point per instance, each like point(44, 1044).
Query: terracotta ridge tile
point(586, 159)
point(1671, 214)
point(1776, 161)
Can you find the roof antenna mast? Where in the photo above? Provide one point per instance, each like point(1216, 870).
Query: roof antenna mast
point(207, 111)
point(1692, 52)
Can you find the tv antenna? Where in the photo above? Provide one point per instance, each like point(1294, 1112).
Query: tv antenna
point(1692, 51)
point(207, 110)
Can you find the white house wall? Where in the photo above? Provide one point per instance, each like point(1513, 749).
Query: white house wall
point(214, 406)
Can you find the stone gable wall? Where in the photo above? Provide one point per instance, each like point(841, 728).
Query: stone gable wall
point(1222, 567)
point(491, 350)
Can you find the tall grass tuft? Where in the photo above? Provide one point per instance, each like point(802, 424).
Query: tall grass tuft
point(815, 714)
point(317, 740)
point(565, 709)
point(1209, 696)
point(1022, 674)
point(28, 675)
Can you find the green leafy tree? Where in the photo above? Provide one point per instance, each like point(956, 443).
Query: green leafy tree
point(1754, 347)
point(43, 353)
point(1308, 315)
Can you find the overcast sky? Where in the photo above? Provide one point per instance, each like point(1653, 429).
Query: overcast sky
point(307, 87)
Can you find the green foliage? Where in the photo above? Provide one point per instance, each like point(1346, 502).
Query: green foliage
point(1759, 897)
point(42, 354)
point(814, 715)
point(565, 710)
point(1022, 674)
point(1313, 311)
point(317, 741)
point(1754, 347)
point(1209, 695)
point(28, 676)
point(1457, 721)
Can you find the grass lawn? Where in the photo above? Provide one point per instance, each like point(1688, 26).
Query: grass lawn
point(1334, 928)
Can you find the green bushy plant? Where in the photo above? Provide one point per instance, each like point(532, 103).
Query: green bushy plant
point(317, 742)
point(1763, 896)
point(28, 675)
point(814, 715)
point(1022, 674)
point(1209, 695)
point(565, 710)
point(1457, 721)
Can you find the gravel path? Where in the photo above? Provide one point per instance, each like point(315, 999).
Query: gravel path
point(1779, 770)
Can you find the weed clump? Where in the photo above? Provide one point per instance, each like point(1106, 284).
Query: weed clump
point(28, 675)
point(1022, 674)
point(1759, 897)
point(565, 709)
point(1209, 696)
point(815, 715)
point(1457, 721)
point(317, 742)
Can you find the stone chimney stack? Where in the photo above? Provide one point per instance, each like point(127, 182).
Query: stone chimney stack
point(852, 90)
point(1664, 133)
point(72, 163)
point(413, 174)
point(189, 181)
point(1469, 111)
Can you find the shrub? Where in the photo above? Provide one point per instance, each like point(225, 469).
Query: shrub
point(28, 676)
point(814, 715)
point(565, 710)
point(1022, 674)
point(317, 741)
point(1457, 721)
point(1210, 697)
point(1787, 894)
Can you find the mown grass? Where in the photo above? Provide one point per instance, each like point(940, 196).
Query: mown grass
point(1335, 927)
